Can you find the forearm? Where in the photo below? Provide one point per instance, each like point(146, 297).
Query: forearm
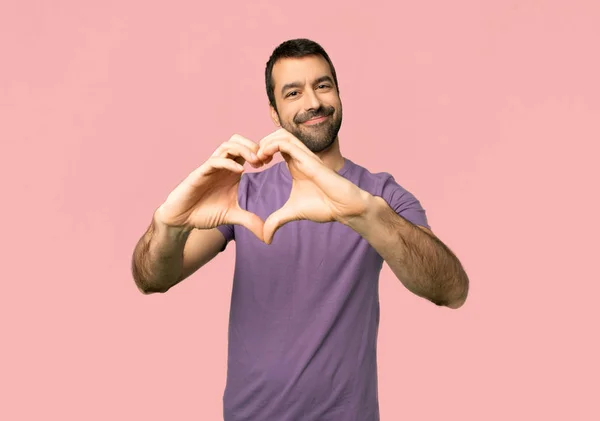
point(420, 260)
point(157, 262)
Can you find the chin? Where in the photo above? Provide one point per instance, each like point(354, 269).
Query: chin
point(320, 146)
point(315, 145)
point(318, 138)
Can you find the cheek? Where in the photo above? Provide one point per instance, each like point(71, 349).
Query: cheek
point(283, 117)
point(338, 108)
point(289, 116)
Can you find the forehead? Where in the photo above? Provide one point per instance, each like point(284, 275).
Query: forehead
point(304, 69)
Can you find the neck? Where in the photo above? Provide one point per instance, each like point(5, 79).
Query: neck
point(332, 157)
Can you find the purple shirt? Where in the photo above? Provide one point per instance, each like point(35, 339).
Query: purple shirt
point(305, 310)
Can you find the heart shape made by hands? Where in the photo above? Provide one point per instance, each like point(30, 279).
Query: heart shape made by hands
point(318, 193)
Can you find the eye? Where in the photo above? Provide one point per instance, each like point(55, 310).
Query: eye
point(290, 94)
point(323, 86)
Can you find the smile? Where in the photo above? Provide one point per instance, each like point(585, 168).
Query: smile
point(315, 120)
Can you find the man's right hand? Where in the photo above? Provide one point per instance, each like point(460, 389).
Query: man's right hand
point(208, 197)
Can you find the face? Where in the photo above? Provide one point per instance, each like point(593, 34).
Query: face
point(308, 105)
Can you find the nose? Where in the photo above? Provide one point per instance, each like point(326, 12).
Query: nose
point(311, 101)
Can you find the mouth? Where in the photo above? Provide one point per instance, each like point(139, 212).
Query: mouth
point(315, 120)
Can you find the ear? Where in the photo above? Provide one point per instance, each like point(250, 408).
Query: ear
point(274, 116)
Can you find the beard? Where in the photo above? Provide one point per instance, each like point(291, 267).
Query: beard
point(320, 136)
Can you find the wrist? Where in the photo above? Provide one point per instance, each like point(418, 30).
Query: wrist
point(371, 209)
point(168, 230)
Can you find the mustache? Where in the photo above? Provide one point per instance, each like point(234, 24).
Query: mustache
point(319, 112)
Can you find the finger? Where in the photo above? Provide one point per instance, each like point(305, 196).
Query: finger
point(281, 135)
point(238, 152)
point(216, 163)
point(277, 132)
point(308, 164)
point(295, 141)
point(266, 151)
point(236, 138)
point(286, 147)
point(251, 145)
point(276, 220)
point(265, 141)
point(248, 220)
point(267, 160)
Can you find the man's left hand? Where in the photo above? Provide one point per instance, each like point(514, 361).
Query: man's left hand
point(318, 193)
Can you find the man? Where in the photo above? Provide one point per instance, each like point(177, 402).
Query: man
point(311, 236)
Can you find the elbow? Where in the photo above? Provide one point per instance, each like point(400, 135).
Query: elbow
point(459, 299)
point(453, 303)
point(144, 288)
point(144, 283)
point(151, 289)
point(456, 304)
point(148, 288)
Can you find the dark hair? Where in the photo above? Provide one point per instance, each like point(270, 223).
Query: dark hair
point(294, 48)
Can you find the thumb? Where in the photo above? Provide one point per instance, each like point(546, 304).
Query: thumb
point(277, 219)
point(248, 220)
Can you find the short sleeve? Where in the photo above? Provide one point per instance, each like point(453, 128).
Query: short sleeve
point(403, 202)
point(228, 232)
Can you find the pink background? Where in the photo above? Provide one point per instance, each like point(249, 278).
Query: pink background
point(489, 112)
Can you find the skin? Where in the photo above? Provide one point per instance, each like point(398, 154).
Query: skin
point(304, 87)
point(420, 260)
point(182, 236)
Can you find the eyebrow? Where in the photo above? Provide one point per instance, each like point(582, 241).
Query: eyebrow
point(299, 84)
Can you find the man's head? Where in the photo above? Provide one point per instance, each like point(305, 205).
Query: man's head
point(303, 93)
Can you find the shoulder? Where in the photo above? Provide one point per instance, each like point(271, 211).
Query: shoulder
point(373, 182)
point(384, 185)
